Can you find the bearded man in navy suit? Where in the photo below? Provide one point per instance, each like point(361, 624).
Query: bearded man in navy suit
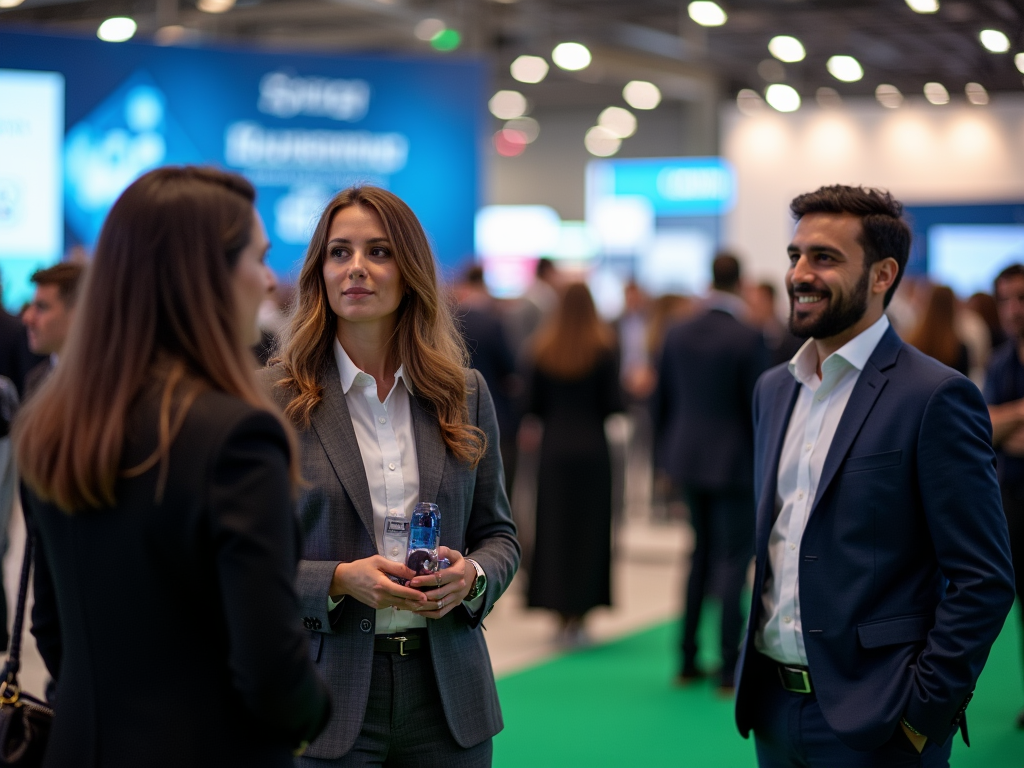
point(883, 563)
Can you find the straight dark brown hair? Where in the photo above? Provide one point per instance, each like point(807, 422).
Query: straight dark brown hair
point(158, 307)
point(426, 341)
point(572, 342)
point(935, 334)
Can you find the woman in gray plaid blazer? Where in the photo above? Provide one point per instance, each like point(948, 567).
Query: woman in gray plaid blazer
point(372, 372)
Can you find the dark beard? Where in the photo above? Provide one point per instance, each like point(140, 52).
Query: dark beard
point(840, 315)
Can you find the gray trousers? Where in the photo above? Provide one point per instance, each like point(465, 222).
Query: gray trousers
point(405, 724)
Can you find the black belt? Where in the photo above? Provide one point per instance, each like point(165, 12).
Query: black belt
point(402, 643)
point(795, 679)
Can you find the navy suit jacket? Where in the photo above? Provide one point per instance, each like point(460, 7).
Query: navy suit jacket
point(905, 574)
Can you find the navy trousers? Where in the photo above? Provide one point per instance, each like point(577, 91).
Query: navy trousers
point(790, 732)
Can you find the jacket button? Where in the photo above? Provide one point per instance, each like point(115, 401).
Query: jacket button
point(365, 625)
point(316, 624)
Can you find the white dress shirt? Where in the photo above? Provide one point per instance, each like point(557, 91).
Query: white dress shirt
point(812, 425)
point(387, 445)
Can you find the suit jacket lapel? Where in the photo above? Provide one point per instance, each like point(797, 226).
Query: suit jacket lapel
point(865, 392)
point(333, 426)
point(430, 449)
point(785, 400)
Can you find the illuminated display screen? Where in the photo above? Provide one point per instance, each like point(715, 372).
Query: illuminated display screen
point(300, 127)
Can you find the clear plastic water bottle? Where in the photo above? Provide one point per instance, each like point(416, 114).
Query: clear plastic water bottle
point(424, 537)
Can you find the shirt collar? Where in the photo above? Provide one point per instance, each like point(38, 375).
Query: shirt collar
point(352, 375)
point(854, 353)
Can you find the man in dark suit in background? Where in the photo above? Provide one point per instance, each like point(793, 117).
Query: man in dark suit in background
point(49, 317)
point(883, 563)
point(705, 442)
point(15, 358)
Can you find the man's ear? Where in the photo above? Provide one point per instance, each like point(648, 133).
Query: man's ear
point(884, 274)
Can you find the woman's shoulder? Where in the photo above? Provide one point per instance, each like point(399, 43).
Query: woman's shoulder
point(217, 418)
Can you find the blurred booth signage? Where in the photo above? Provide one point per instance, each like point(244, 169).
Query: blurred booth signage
point(299, 127)
point(674, 186)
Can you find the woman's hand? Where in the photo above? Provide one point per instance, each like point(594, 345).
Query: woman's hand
point(451, 585)
point(366, 580)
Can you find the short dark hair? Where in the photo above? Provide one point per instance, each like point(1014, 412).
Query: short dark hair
point(545, 268)
point(474, 275)
point(725, 271)
point(1014, 270)
point(67, 276)
point(884, 233)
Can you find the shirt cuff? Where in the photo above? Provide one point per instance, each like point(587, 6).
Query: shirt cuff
point(332, 603)
point(474, 605)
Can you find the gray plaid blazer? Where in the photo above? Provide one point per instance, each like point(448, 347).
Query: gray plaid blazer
point(337, 520)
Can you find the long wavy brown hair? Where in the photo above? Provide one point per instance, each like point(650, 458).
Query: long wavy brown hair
point(935, 334)
point(426, 341)
point(575, 338)
point(157, 308)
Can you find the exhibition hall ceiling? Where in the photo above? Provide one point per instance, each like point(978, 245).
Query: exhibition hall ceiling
point(651, 40)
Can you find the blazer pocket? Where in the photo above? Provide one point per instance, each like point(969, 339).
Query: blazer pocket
point(872, 461)
point(316, 644)
point(899, 631)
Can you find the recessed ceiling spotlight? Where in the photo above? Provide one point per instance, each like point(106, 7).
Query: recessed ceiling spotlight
point(888, 96)
point(845, 68)
point(601, 142)
point(828, 98)
point(10, 3)
point(782, 97)
point(507, 105)
point(428, 29)
point(529, 69)
point(640, 94)
point(527, 126)
point(170, 34)
point(976, 94)
point(1018, 62)
point(571, 56)
point(117, 29)
point(923, 6)
point(749, 102)
point(215, 6)
point(706, 13)
point(994, 40)
point(936, 94)
point(619, 121)
point(786, 48)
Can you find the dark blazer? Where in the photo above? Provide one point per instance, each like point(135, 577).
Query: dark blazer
point(16, 360)
point(337, 517)
point(171, 627)
point(905, 575)
point(701, 409)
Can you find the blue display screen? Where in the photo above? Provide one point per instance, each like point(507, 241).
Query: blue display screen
point(300, 127)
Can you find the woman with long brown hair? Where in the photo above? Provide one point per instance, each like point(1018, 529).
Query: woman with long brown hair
point(935, 334)
point(574, 388)
point(372, 371)
point(160, 492)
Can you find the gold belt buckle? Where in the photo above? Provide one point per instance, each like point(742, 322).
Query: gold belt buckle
point(401, 645)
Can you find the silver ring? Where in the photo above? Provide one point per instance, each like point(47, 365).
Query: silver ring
point(440, 604)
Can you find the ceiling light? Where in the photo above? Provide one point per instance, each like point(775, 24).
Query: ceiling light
point(117, 29)
point(640, 94)
point(571, 56)
point(10, 3)
point(621, 122)
point(707, 14)
point(749, 102)
point(1018, 62)
point(170, 34)
point(527, 126)
point(601, 142)
point(506, 105)
point(215, 6)
point(923, 6)
point(447, 40)
point(828, 98)
point(786, 48)
point(976, 94)
point(509, 142)
point(428, 29)
point(888, 96)
point(782, 97)
point(936, 93)
point(994, 40)
point(845, 68)
point(529, 69)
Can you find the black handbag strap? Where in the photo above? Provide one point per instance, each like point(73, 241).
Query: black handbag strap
point(13, 665)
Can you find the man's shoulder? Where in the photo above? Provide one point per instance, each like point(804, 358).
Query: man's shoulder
point(774, 378)
point(921, 373)
point(714, 324)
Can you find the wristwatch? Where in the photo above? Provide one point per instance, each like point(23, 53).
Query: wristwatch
point(481, 581)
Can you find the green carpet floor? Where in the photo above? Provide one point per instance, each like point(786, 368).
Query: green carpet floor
point(613, 705)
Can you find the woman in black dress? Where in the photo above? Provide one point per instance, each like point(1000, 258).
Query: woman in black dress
point(573, 389)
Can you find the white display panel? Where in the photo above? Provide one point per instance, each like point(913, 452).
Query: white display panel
point(31, 207)
point(967, 257)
